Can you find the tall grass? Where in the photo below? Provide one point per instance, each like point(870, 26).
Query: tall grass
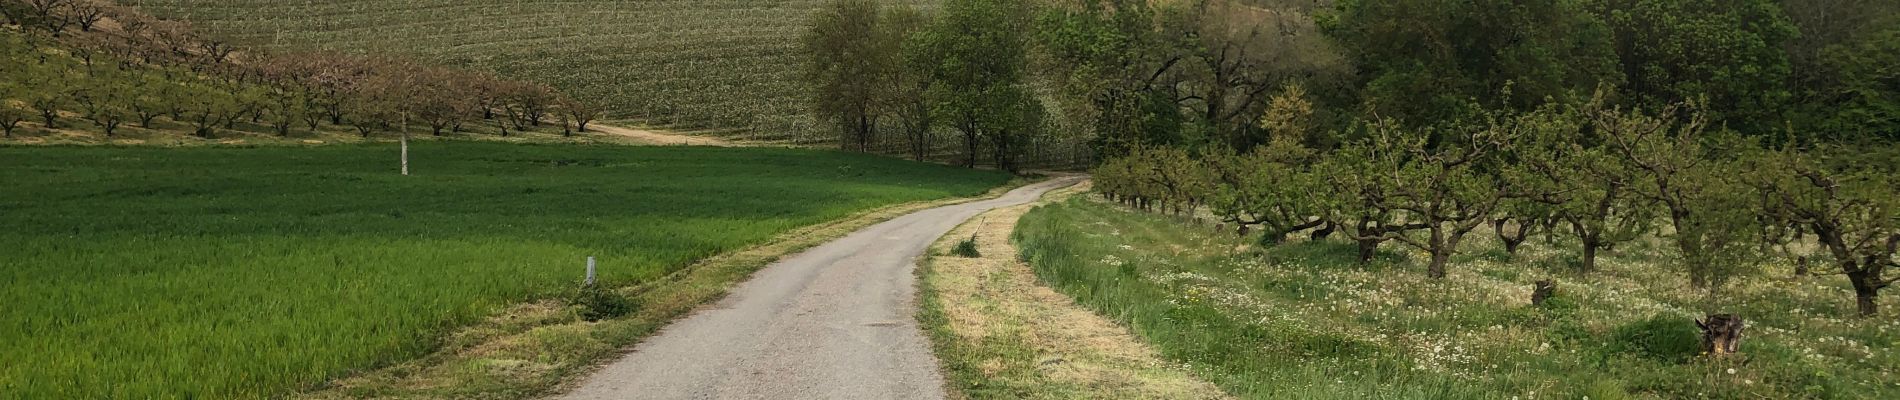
point(251, 272)
point(1302, 320)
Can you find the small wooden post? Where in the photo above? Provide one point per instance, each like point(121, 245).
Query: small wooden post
point(590, 270)
point(405, 144)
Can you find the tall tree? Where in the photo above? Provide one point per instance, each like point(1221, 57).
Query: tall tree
point(1730, 51)
point(851, 56)
point(1423, 61)
point(980, 46)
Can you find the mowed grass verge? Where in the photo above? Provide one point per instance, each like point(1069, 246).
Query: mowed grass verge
point(1301, 320)
point(224, 272)
point(727, 64)
point(1000, 334)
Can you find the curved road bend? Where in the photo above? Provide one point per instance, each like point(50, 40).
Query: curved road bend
point(834, 322)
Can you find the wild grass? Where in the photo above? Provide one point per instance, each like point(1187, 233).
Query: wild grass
point(721, 64)
point(1301, 320)
point(228, 272)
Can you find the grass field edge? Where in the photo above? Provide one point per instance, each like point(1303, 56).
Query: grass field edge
point(548, 328)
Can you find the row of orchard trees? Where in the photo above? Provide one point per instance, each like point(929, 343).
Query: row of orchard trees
point(1598, 174)
point(62, 60)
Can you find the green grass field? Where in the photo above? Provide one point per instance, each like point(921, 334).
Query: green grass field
point(1302, 321)
point(683, 63)
point(233, 272)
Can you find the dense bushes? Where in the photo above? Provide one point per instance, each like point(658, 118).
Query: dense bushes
point(1662, 338)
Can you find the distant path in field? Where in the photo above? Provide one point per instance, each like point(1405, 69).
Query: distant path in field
point(661, 138)
point(835, 322)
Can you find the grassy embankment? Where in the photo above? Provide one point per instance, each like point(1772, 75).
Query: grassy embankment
point(1301, 320)
point(1001, 334)
point(222, 272)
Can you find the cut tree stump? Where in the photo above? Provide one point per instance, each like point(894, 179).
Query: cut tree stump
point(1544, 291)
point(1721, 334)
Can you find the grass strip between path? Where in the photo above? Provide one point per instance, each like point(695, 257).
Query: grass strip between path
point(1000, 334)
point(541, 348)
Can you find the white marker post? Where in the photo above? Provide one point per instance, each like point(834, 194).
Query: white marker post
point(590, 271)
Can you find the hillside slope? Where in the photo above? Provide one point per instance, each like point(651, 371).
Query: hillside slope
point(692, 64)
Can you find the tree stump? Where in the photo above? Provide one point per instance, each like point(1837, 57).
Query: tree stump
point(1721, 334)
point(1544, 291)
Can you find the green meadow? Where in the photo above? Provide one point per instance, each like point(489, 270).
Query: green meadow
point(1302, 320)
point(245, 272)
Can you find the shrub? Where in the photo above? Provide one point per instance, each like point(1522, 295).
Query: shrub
point(966, 248)
point(598, 303)
point(1661, 338)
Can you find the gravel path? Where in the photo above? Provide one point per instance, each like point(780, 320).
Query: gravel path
point(834, 322)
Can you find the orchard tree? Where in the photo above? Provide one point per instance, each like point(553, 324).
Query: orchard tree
point(1690, 173)
point(206, 108)
point(105, 99)
point(1269, 187)
point(50, 92)
point(1850, 199)
point(1569, 171)
point(1448, 188)
point(12, 110)
point(580, 113)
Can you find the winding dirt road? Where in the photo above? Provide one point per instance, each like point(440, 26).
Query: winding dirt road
point(834, 322)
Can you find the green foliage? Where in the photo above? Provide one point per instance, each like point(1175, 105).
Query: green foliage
point(597, 303)
point(1425, 59)
point(1303, 322)
point(1862, 100)
point(1662, 337)
point(966, 249)
point(852, 60)
point(981, 47)
point(1729, 51)
point(254, 272)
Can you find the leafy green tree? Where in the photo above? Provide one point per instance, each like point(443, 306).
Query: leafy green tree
point(1574, 177)
point(1689, 171)
point(1424, 61)
point(1848, 198)
point(1444, 190)
point(981, 47)
point(105, 98)
point(206, 107)
point(851, 55)
point(1110, 58)
point(1269, 187)
point(1730, 51)
point(1864, 101)
point(908, 96)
